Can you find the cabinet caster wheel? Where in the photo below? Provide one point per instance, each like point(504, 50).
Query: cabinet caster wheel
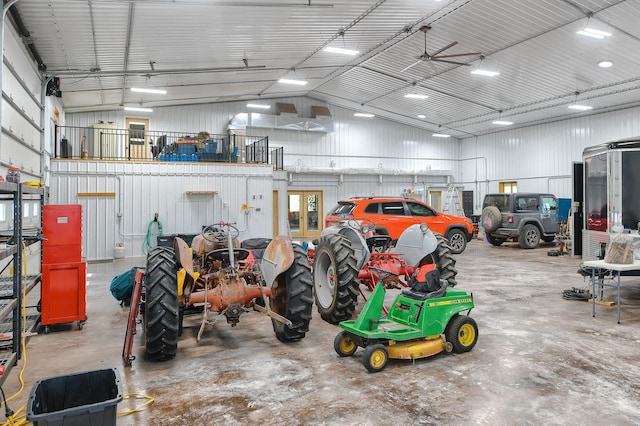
point(80, 325)
point(47, 329)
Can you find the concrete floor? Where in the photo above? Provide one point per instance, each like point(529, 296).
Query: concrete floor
point(539, 359)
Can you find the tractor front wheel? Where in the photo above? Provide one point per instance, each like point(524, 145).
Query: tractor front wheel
point(292, 297)
point(375, 358)
point(462, 332)
point(335, 278)
point(343, 344)
point(161, 323)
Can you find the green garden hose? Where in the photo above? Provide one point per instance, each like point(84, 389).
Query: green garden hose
point(146, 245)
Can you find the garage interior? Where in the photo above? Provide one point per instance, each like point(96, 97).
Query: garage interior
point(158, 118)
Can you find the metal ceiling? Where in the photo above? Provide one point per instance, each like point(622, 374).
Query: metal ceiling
point(216, 51)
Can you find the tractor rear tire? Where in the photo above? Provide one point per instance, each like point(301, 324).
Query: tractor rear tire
point(292, 297)
point(161, 319)
point(335, 278)
point(491, 218)
point(443, 258)
point(462, 333)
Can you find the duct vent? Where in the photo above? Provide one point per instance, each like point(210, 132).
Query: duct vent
point(286, 109)
point(320, 111)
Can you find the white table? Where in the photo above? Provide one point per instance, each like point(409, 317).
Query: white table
point(601, 265)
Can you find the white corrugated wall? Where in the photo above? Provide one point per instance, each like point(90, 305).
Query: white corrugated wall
point(540, 158)
point(119, 200)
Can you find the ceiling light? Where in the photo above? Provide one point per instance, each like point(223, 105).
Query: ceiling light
point(580, 107)
point(261, 106)
point(290, 81)
point(422, 116)
point(441, 135)
point(363, 114)
point(605, 64)
point(591, 32)
point(340, 51)
point(488, 73)
point(503, 123)
point(415, 96)
point(138, 109)
point(144, 90)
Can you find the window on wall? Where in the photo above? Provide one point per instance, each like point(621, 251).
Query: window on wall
point(508, 187)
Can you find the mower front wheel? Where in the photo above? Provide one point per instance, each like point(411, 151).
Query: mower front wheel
point(462, 332)
point(343, 344)
point(375, 358)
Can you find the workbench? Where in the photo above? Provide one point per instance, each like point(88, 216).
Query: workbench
point(614, 269)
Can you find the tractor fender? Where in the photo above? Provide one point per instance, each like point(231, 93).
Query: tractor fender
point(415, 243)
point(358, 243)
point(183, 255)
point(277, 258)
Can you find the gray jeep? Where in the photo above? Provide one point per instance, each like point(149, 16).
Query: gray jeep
point(527, 217)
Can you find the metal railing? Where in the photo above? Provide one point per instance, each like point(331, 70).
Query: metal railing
point(106, 142)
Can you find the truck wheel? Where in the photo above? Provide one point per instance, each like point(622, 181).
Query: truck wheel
point(462, 332)
point(495, 241)
point(335, 278)
point(292, 297)
point(343, 344)
point(161, 322)
point(444, 261)
point(375, 358)
point(457, 241)
point(529, 237)
point(491, 218)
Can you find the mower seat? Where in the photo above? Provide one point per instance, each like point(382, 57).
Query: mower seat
point(418, 295)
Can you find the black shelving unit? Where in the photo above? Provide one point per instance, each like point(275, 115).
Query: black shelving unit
point(14, 286)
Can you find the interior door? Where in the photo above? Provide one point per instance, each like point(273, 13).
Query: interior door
point(138, 139)
point(305, 214)
point(435, 200)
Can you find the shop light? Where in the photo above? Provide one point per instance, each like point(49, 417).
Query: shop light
point(138, 109)
point(341, 51)
point(363, 114)
point(261, 106)
point(291, 81)
point(144, 90)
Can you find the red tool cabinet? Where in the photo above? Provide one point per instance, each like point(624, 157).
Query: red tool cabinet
point(63, 288)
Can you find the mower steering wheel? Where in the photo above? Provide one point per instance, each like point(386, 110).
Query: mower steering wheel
point(217, 234)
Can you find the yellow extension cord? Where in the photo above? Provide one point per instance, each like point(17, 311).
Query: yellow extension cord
point(22, 419)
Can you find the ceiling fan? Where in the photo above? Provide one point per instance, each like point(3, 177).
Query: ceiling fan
point(435, 56)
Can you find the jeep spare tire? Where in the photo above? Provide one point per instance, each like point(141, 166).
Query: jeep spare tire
point(491, 218)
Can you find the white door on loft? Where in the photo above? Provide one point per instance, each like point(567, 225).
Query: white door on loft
point(137, 139)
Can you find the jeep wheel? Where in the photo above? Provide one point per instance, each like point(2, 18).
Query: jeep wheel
point(292, 297)
point(335, 278)
point(161, 320)
point(444, 261)
point(529, 237)
point(491, 218)
point(457, 241)
point(495, 241)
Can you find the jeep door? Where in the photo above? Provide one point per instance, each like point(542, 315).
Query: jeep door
point(549, 214)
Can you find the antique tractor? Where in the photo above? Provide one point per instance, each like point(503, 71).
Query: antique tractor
point(343, 259)
point(425, 319)
point(216, 275)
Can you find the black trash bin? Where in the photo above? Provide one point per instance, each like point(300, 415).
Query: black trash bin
point(80, 399)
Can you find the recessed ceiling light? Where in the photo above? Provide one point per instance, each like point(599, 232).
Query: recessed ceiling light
point(591, 32)
point(487, 73)
point(415, 96)
point(363, 114)
point(422, 116)
point(441, 135)
point(341, 51)
point(261, 106)
point(605, 64)
point(138, 109)
point(291, 81)
point(503, 123)
point(580, 107)
point(145, 90)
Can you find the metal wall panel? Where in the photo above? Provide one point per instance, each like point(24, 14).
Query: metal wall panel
point(540, 157)
point(142, 189)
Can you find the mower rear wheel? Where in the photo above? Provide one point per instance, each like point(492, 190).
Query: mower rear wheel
point(292, 297)
point(335, 278)
point(444, 261)
point(462, 332)
point(375, 358)
point(161, 323)
point(343, 344)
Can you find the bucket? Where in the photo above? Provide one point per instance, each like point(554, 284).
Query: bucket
point(118, 252)
point(85, 154)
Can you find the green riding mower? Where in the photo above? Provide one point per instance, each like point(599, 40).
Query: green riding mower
point(425, 319)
